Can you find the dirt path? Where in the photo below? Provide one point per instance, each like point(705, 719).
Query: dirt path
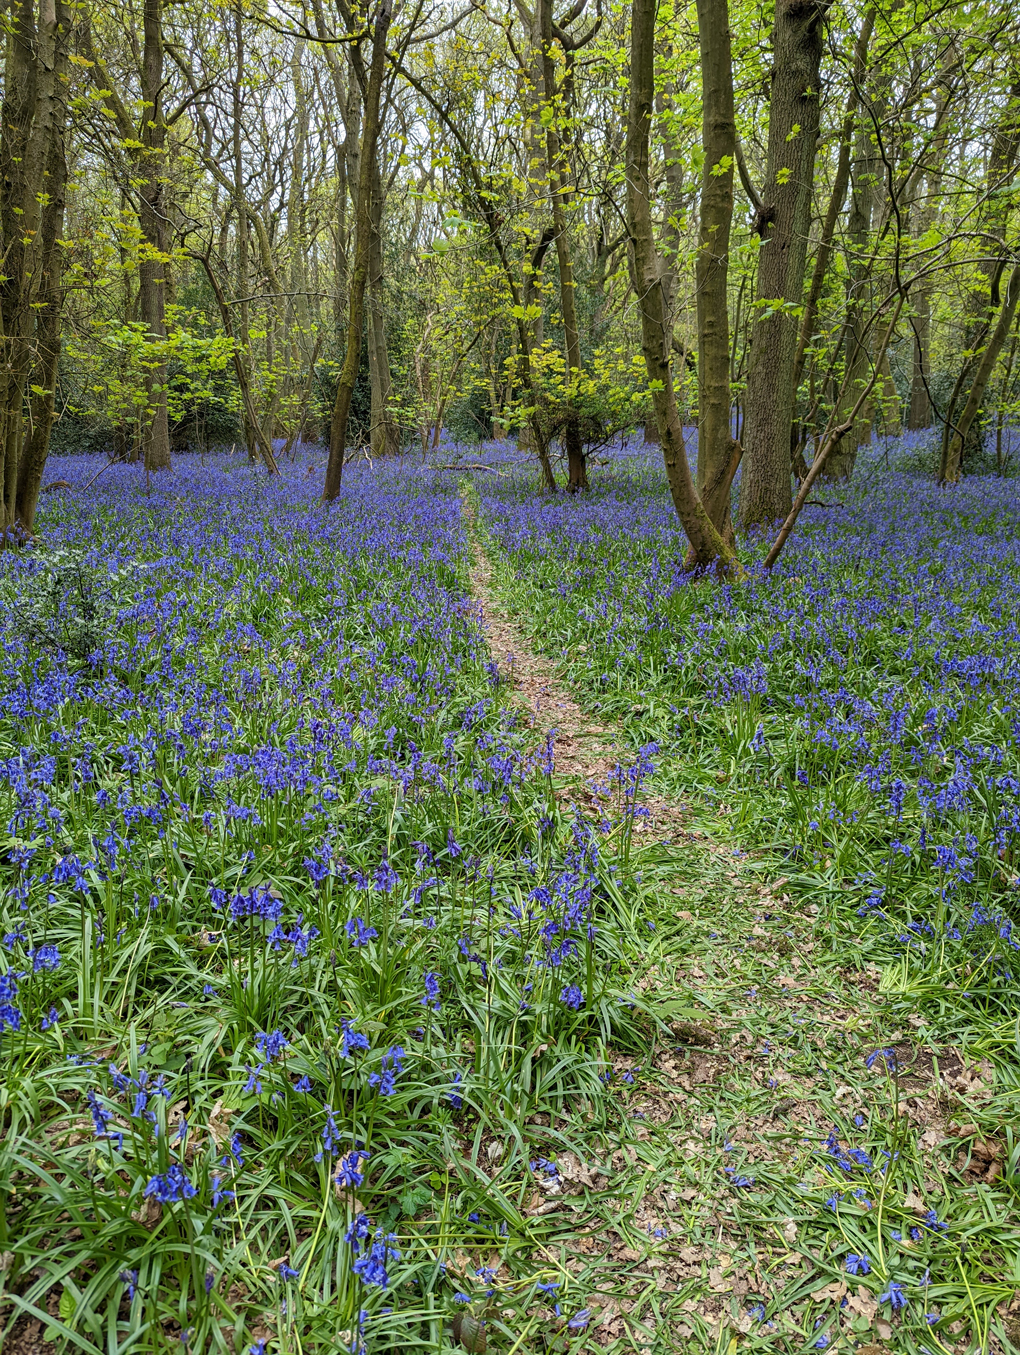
point(585, 751)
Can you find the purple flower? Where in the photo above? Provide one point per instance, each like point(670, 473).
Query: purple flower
point(171, 1186)
point(392, 1064)
point(572, 997)
point(857, 1265)
point(44, 957)
point(894, 1296)
point(359, 934)
point(580, 1320)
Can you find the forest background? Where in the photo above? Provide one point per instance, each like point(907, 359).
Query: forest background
point(241, 226)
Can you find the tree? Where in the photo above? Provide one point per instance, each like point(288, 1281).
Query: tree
point(32, 181)
point(708, 547)
point(782, 224)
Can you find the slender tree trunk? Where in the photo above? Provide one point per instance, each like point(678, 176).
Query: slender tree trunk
point(577, 470)
point(716, 444)
point(920, 403)
point(49, 299)
point(840, 184)
point(794, 115)
point(152, 222)
point(242, 327)
point(359, 276)
point(709, 548)
point(953, 463)
point(385, 436)
point(856, 355)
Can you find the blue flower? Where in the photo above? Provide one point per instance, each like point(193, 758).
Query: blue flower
point(130, 1279)
point(889, 1056)
point(372, 1253)
point(431, 997)
point(347, 1174)
point(359, 934)
point(330, 1135)
point(453, 1096)
point(49, 1020)
point(858, 1265)
point(894, 1296)
point(270, 1046)
point(352, 1040)
point(44, 957)
point(580, 1320)
point(171, 1186)
point(392, 1064)
point(219, 1196)
point(572, 997)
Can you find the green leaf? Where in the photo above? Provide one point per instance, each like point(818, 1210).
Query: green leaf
point(67, 1306)
point(470, 1332)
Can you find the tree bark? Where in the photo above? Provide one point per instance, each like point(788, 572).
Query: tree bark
point(953, 462)
point(708, 547)
point(30, 119)
point(359, 275)
point(152, 222)
point(49, 299)
point(783, 225)
point(920, 403)
point(716, 444)
point(385, 437)
point(577, 470)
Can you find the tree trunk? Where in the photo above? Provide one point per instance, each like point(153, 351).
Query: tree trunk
point(856, 354)
point(32, 117)
point(385, 436)
point(952, 465)
point(783, 225)
point(840, 184)
point(715, 438)
point(708, 547)
point(49, 301)
point(359, 276)
point(920, 404)
point(577, 470)
point(152, 223)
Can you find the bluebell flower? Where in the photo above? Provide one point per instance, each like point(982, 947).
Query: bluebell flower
point(431, 997)
point(352, 1040)
point(220, 1195)
point(359, 934)
point(44, 957)
point(580, 1320)
point(171, 1186)
point(49, 1020)
point(303, 1084)
point(10, 1015)
point(572, 997)
point(888, 1055)
point(858, 1265)
point(130, 1279)
point(330, 1135)
point(894, 1296)
point(392, 1064)
point(453, 1096)
point(270, 1046)
point(347, 1175)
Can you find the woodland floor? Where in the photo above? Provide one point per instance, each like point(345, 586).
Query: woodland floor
point(699, 1215)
